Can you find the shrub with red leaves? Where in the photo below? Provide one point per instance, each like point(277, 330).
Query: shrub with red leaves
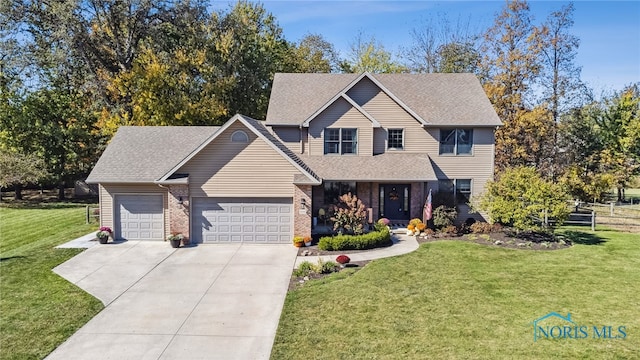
point(343, 259)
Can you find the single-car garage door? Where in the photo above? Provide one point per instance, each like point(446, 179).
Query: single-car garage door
point(255, 220)
point(139, 217)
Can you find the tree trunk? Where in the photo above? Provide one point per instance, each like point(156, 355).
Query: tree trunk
point(61, 191)
point(18, 189)
point(620, 196)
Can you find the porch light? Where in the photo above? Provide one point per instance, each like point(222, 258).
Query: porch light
point(303, 202)
point(180, 202)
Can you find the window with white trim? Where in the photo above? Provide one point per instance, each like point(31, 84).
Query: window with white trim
point(239, 136)
point(460, 189)
point(456, 141)
point(395, 139)
point(340, 141)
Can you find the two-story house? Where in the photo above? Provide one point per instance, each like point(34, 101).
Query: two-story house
point(388, 138)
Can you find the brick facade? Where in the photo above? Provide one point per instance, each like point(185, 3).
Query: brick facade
point(302, 214)
point(417, 199)
point(179, 213)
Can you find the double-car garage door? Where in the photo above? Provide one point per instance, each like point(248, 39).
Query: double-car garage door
point(256, 220)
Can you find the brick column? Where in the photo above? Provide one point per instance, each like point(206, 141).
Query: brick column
point(301, 215)
point(375, 200)
point(179, 213)
point(417, 199)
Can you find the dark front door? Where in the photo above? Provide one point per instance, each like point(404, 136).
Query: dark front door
point(394, 201)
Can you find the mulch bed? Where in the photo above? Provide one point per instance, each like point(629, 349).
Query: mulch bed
point(526, 240)
point(507, 238)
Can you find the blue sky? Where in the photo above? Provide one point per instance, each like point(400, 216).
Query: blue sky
point(609, 31)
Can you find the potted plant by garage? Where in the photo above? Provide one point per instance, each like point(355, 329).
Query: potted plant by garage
point(175, 239)
point(103, 234)
point(307, 241)
point(298, 241)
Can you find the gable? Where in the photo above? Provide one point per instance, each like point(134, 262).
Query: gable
point(340, 114)
point(432, 99)
point(238, 169)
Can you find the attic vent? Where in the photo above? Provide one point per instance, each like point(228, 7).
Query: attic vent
point(239, 136)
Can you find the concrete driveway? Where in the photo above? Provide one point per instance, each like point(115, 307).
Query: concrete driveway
point(201, 302)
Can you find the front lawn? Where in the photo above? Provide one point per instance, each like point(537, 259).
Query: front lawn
point(39, 309)
point(455, 299)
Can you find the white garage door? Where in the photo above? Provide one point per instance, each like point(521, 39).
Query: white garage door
point(255, 220)
point(139, 217)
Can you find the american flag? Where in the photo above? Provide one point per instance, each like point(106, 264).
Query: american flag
point(427, 211)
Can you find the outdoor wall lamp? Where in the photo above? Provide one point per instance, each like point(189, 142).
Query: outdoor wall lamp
point(180, 202)
point(303, 202)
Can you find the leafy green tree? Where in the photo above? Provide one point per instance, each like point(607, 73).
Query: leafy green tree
point(520, 195)
point(249, 50)
point(18, 169)
point(371, 56)
point(314, 54)
point(54, 124)
point(602, 141)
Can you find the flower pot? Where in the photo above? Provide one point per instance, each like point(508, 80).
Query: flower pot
point(175, 243)
point(298, 244)
point(103, 239)
point(307, 243)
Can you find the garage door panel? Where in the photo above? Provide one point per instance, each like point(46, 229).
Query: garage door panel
point(242, 220)
point(139, 217)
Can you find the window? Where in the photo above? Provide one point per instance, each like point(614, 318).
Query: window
point(395, 139)
point(459, 190)
point(334, 189)
point(456, 141)
point(340, 141)
point(239, 136)
point(463, 191)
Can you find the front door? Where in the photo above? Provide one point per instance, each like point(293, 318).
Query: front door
point(394, 201)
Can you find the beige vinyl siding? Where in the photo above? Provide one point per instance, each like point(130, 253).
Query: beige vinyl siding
point(390, 115)
point(289, 136)
point(340, 114)
point(231, 169)
point(477, 167)
point(107, 192)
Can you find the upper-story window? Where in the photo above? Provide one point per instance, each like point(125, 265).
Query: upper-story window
point(395, 139)
point(340, 141)
point(456, 141)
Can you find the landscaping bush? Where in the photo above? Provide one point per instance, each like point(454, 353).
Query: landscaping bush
point(304, 269)
point(349, 214)
point(444, 216)
point(327, 267)
point(485, 228)
point(481, 228)
point(371, 240)
point(449, 230)
point(343, 259)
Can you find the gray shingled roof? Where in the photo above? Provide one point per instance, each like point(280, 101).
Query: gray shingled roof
point(439, 99)
point(383, 167)
point(146, 153)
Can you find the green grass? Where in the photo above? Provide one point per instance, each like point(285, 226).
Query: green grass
point(39, 309)
point(460, 300)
